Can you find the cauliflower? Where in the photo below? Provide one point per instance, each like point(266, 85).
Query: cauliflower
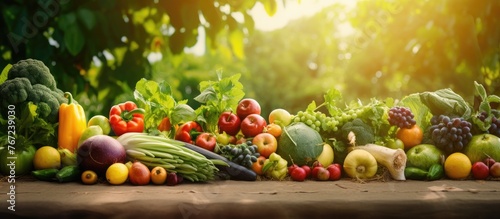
point(31, 81)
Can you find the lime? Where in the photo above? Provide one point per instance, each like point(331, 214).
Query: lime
point(117, 173)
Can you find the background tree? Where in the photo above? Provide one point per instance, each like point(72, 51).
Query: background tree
point(99, 49)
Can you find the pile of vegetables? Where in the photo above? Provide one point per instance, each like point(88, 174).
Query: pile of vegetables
point(157, 132)
point(30, 90)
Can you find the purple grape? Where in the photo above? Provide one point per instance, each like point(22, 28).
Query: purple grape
point(401, 117)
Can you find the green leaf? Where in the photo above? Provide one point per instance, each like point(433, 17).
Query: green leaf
point(493, 99)
point(480, 91)
point(271, 7)
point(5, 72)
point(236, 38)
point(87, 17)
point(446, 102)
point(182, 113)
point(208, 94)
point(74, 40)
point(331, 97)
point(311, 107)
point(66, 21)
point(422, 114)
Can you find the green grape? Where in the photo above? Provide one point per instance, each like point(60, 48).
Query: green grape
point(309, 122)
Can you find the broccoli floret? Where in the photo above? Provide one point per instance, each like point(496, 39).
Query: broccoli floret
point(364, 132)
point(46, 101)
point(15, 91)
point(35, 71)
point(30, 81)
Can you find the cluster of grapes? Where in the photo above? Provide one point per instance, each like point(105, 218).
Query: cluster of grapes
point(316, 120)
point(401, 117)
point(244, 154)
point(450, 134)
point(321, 122)
point(495, 124)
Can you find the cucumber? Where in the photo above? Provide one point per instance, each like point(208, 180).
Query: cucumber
point(435, 172)
point(415, 173)
point(45, 174)
point(68, 174)
point(234, 170)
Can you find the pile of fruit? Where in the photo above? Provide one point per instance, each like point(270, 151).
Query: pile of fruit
point(155, 139)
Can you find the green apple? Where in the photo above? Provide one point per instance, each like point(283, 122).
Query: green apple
point(89, 132)
point(395, 144)
point(326, 156)
point(483, 146)
point(423, 156)
point(101, 121)
point(280, 116)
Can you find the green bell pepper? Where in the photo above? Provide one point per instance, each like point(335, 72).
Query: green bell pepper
point(16, 161)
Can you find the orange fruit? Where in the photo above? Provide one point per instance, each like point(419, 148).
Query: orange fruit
point(410, 136)
point(273, 129)
point(457, 166)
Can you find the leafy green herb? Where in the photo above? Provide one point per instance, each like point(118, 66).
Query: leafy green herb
point(30, 129)
point(217, 97)
point(485, 101)
point(157, 100)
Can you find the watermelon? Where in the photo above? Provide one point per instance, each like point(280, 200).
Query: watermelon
point(300, 144)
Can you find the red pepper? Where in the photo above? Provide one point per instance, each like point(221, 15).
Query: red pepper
point(126, 117)
point(188, 131)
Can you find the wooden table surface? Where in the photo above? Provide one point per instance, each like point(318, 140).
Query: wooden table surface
point(260, 199)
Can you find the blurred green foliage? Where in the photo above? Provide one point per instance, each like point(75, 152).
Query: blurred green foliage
point(381, 48)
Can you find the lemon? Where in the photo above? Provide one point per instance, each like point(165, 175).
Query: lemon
point(117, 173)
point(457, 166)
point(47, 157)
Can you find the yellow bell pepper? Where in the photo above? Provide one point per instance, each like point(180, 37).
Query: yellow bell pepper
point(72, 123)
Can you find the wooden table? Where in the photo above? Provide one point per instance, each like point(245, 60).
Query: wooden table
point(259, 199)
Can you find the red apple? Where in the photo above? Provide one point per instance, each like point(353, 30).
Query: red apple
point(139, 174)
point(174, 179)
point(480, 170)
point(308, 170)
point(266, 144)
point(206, 140)
point(246, 107)
point(298, 174)
point(229, 123)
point(495, 170)
point(315, 170)
point(291, 168)
point(317, 164)
point(489, 161)
point(335, 172)
point(323, 174)
point(253, 125)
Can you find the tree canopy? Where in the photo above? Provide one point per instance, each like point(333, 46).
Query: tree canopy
point(379, 48)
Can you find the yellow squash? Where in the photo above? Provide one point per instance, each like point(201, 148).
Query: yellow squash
point(72, 123)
